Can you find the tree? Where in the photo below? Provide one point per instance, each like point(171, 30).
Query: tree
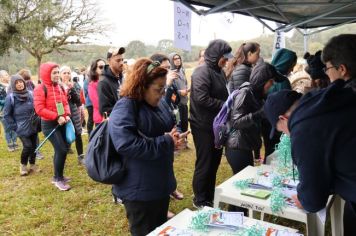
point(44, 26)
point(135, 49)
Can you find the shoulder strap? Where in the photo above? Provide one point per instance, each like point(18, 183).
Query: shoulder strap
point(44, 90)
point(12, 99)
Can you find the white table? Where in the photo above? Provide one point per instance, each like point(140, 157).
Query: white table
point(183, 219)
point(228, 193)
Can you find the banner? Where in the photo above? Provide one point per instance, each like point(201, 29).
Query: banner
point(279, 41)
point(182, 26)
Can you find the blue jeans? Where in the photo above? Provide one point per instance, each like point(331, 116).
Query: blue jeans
point(59, 144)
point(10, 135)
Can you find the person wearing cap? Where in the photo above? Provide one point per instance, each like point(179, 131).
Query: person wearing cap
point(316, 69)
point(208, 94)
point(111, 80)
point(322, 131)
point(284, 61)
point(18, 108)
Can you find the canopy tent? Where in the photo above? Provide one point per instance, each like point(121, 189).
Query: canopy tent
point(291, 14)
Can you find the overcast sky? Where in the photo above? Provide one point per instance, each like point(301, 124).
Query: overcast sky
point(152, 20)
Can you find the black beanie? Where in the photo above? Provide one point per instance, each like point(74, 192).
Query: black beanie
point(315, 66)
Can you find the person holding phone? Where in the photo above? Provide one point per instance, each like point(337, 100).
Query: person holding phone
point(183, 90)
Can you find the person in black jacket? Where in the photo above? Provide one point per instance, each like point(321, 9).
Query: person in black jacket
point(246, 116)
point(322, 131)
point(208, 94)
point(110, 80)
point(239, 69)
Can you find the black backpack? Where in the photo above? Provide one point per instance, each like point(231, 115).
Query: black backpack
point(103, 163)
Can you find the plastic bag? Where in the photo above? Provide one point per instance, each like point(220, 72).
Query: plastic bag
point(70, 132)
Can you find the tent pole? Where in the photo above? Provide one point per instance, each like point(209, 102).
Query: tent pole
point(305, 36)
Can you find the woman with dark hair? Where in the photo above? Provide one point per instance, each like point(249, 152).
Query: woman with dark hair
point(96, 69)
point(51, 104)
point(239, 68)
point(18, 107)
point(142, 131)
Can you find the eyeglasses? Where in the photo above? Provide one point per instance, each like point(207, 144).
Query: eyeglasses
point(327, 68)
point(101, 67)
point(153, 65)
point(160, 90)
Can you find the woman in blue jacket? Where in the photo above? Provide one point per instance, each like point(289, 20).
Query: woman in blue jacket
point(142, 130)
point(18, 108)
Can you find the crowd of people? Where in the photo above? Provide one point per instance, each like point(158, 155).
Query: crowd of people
point(149, 119)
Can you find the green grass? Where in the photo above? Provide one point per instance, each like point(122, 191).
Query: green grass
point(31, 205)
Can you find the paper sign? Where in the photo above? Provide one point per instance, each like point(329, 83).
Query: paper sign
point(182, 26)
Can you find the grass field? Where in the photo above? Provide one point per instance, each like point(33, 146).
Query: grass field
point(31, 205)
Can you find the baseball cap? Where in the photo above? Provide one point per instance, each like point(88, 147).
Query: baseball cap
point(277, 104)
point(115, 51)
point(228, 55)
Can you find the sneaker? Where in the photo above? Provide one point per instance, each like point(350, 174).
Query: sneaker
point(116, 200)
point(39, 156)
point(84, 131)
point(81, 159)
point(34, 169)
point(200, 206)
point(61, 185)
point(177, 195)
point(16, 146)
point(11, 149)
point(170, 215)
point(65, 179)
point(23, 170)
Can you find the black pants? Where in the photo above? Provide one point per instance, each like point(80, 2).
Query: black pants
point(79, 144)
point(28, 152)
point(349, 219)
point(90, 123)
point(270, 143)
point(59, 144)
point(145, 216)
point(238, 159)
point(183, 114)
point(206, 165)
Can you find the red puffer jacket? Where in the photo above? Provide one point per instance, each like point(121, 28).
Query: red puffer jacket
point(45, 106)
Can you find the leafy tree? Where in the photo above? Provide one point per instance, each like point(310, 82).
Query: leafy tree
point(135, 49)
point(43, 26)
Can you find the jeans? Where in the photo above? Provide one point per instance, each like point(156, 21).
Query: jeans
point(59, 144)
point(28, 152)
point(10, 135)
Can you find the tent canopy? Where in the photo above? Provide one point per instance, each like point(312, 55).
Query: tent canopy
point(300, 14)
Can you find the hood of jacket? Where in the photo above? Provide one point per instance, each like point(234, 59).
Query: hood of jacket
point(317, 103)
point(215, 50)
point(45, 72)
point(13, 80)
point(283, 60)
point(260, 74)
point(170, 57)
